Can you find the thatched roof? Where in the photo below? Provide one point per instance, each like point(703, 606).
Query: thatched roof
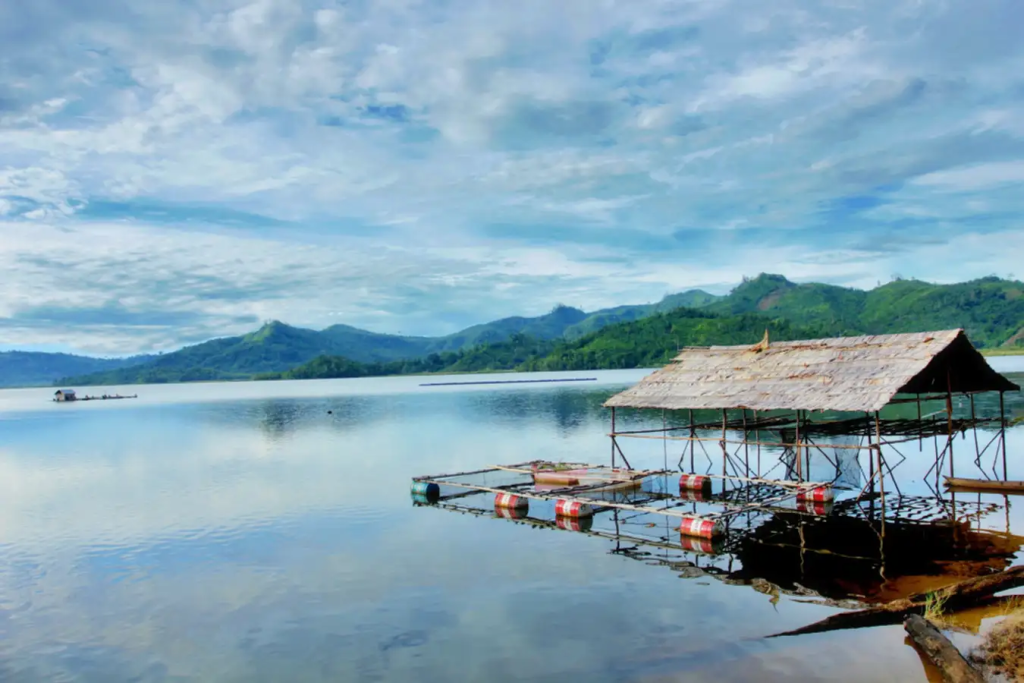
point(843, 374)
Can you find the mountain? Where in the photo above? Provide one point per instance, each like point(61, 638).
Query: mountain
point(990, 309)
point(649, 342)
point(277, 347)
point(26, 369)
point(610, 316)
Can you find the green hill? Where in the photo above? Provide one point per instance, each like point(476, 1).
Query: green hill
point(991, 310)
point(26, 369)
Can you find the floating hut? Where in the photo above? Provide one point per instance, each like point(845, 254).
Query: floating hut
point(775, 388)
point(63, 395)
point(778, 404)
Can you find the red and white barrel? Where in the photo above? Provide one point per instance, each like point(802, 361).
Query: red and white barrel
point(694, 482)
point(698, 545)
point(702, 527)
point(574, 523)
point(818, 494)
point(510, 501)
point(572, 508)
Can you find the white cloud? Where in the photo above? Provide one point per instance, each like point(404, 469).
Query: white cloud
point(976, 177)
point(301, 133)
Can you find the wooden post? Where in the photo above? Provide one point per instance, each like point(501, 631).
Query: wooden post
point(613, 437)
point(725, 452)
point(799, 464)
point(746, 445)
point(693, 444)
point(881, 468)
point(757, 439)
point(1002, 433)
point(949, 421)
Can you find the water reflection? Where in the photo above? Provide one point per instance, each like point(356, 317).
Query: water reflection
point(263, 538)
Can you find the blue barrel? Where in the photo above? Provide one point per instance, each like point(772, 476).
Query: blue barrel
point(427, 489)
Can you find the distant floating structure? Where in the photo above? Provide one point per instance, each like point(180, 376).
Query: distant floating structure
point(69, 395)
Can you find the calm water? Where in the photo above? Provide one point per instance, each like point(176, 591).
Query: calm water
point(265, 532)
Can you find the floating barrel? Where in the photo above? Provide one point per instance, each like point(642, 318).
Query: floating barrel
point(511, 501)
point(573, 508)
point(818, 507)
point(563, 477)
point(427, 489)
point(701, 527)
point(818, 494)
point(575, 523)
point(695, 544)
point(694, 482)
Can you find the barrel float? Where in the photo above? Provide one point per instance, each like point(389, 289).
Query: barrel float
point(572, 508)
point(574, 523)
point(510, 501)
point(696, 544)
point(563, 477)
point(820, 508)
point(701, 527)
point(694, 482)
point(427, 489)
point(818, 494)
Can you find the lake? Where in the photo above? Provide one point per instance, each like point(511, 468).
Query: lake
point(265, 532)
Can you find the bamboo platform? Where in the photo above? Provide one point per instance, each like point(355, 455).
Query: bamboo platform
point(598, 488)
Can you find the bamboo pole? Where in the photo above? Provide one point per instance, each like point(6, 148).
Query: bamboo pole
point(881, 468)
point(770, 444)
point(483, 471)
point(612, 435)
point(1002, 433)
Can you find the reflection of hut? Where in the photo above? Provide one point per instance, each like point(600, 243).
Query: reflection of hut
point(839, 556)
point(63, 395)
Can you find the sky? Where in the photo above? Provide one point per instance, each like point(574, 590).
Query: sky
point(181, 170)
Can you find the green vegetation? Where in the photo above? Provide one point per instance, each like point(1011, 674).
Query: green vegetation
point(990, 309)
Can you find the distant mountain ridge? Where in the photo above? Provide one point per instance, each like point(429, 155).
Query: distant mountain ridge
point(29, 368)
point(277, 347)
point(990, 309)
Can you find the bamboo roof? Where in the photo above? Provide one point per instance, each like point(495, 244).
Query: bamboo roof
point(841, 374)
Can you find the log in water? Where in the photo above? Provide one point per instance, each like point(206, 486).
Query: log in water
point(508, 381)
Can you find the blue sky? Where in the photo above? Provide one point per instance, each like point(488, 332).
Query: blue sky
point(180, 170)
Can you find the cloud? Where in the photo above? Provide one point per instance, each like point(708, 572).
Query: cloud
point(173, 170)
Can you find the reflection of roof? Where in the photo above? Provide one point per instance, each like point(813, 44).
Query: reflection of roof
point(844, 374)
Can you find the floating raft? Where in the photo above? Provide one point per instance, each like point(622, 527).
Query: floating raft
point(579, 491)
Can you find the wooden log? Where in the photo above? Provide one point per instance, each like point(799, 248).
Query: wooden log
point(940, 651)
point(956, 596)
point(984, 485)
